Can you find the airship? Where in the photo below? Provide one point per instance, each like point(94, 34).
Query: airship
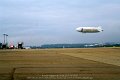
point(89, 29)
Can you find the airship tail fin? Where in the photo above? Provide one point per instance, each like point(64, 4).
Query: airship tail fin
point(100, 28)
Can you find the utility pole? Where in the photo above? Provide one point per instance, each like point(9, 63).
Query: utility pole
point(4, 46)
point(5, 38)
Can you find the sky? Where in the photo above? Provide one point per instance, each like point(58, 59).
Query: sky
point(37, 22)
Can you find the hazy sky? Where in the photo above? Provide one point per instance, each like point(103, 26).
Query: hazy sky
point(37, 22)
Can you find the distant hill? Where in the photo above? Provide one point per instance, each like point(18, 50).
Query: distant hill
point(82, 45)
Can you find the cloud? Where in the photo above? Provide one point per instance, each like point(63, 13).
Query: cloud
point(55, 21)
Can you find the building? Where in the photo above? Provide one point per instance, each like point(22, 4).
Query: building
point(20, 45)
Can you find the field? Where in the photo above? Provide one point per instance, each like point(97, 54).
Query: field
point(60, 64)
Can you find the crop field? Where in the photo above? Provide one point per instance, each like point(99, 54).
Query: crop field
point(60, 64)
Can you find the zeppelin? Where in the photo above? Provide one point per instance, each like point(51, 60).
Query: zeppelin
point(89, 29)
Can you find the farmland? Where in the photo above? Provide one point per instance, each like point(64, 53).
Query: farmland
point(60, 64)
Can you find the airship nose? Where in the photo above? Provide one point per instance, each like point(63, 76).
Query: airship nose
point(77, 29)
